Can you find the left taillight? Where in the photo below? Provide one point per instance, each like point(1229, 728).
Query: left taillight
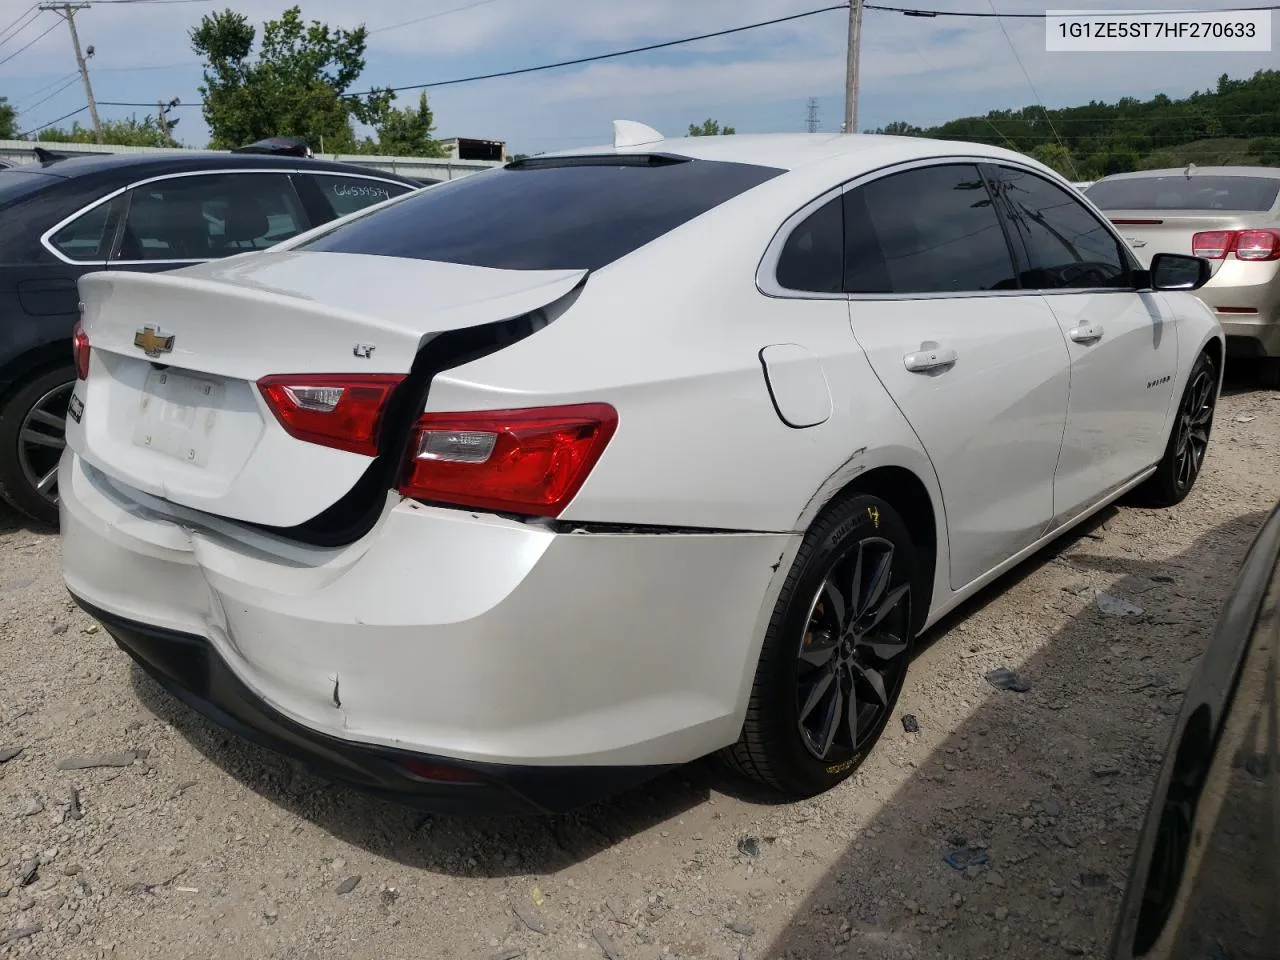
point(334, 410)
point(530, 462)
point(80, 351)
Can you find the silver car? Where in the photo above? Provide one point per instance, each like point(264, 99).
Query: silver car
point(1228, 215)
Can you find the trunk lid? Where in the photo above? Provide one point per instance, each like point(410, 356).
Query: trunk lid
point(1149, 232)
point(172, 407)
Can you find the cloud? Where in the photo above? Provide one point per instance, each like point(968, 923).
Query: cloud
point(921, 70)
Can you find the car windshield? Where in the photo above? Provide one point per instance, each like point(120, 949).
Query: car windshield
point(16, 184)
point(560, 213)
point(1181, 192)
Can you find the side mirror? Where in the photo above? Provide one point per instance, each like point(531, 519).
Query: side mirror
point(1177, 271)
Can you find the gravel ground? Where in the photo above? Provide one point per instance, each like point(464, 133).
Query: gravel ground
point(190, 844)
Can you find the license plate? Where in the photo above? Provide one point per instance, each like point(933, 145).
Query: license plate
point(177, 415)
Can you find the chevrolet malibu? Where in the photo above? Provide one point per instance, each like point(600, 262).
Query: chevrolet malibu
point(516, 491)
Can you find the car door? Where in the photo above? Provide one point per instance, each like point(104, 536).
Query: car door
point(188, 218)
point(1124, 350)
point(976, 365)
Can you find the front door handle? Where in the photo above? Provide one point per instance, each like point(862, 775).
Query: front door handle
point(1086, 333)
point(929, 357)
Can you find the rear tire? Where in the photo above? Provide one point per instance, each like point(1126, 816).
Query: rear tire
point(1188, 444)
point(836, 651)
point(32, 437)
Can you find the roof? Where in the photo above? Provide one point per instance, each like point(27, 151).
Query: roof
point(793, 151)
point(142, 164)
point(1270, 173)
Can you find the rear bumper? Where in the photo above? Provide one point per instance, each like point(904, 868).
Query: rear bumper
point(189, 668)
point(441, 633)
point(1245, 297)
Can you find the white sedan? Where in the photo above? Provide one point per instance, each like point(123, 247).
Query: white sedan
point(516, 491)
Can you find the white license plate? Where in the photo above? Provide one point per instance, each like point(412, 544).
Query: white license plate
point(177, 415)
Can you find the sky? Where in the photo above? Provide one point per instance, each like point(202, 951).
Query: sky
point(923, 71)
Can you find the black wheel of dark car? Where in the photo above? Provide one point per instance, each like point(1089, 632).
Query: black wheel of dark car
point(32, 437)
point(1188, 440)
point(836, 652)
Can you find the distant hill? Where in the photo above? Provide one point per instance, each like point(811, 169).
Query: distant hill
point(1238, 123)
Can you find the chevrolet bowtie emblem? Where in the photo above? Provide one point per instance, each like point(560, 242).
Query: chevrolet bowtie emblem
point(151, 342)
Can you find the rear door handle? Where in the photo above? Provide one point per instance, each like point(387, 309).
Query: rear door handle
point(929, 357)
point(1086, 333)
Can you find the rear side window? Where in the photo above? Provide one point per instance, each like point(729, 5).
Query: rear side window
point(565, 213)
point(89, 236)
point(349, 194)
point(929, 230)
point(1181, 192)
point(812, 259)
point(210, 216)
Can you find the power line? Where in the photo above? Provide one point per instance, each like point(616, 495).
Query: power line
point(19, 29)
point(431, 16)
point(1035, 93)
point(41, 90)
point(993, 15)
point(28, 44)
point(52, 122)
point(32, 106)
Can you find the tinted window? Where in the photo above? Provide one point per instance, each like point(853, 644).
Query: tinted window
point(1066, 245)
point(349, 194)
point(930, 230)
point(89, 236)
point(813, 257)
point(564, 214)
point(205, 217)
point(1185, 193)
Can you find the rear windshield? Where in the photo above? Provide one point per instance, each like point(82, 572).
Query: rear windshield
point(1185, 193)
point(559, 214)
point(16, 184)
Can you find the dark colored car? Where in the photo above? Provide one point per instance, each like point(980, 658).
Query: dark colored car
point(66, 216)
point(1205, 881)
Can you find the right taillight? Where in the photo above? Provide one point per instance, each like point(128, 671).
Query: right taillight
point(529, 461)
point(1212, 244)
point(1251, 245)
point(80, 351)
point(1258, 245)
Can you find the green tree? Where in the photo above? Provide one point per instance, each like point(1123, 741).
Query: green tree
point(126, 133)
point(1058, 157)
point(8, 120)
point(407, 133)
point(298, 85)
point(710, 128)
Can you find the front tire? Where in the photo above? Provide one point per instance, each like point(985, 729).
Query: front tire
point(32, 437)
point(1188, 444)
point(836, 651)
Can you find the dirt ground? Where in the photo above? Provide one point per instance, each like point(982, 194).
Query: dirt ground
point(199, 846)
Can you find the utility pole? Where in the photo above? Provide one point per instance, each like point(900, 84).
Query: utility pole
point(68, 12)
point(162, 117)
point(811, 120)
point(851, 68)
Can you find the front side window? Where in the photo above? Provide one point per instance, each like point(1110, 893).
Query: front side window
point(929, 230)
point(1067, 247)
point(561, 213)
point(210, 216)
point(87, 238)
point(349, 194)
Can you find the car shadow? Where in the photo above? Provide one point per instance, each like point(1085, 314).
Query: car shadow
point(1024, 789)
point(11, 520)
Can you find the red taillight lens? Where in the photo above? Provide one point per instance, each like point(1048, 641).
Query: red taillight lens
point(528, 462)
point(1258, 245)
point(1212, 244)
point(438, 773)
point(333, 410)
point(80, 351)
